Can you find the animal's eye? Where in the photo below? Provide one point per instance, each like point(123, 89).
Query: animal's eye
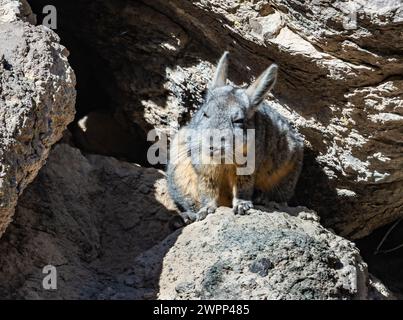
point(238, 121)
point(205, 115)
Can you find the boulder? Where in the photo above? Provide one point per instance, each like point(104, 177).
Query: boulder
point(37, 97)
point(89, 216)
point(281, 253)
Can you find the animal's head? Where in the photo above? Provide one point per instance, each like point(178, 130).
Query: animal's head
point(228, 111)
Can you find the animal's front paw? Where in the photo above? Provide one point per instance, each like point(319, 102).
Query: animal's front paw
point(205, 211)
point(242, 206)
point(181, 220)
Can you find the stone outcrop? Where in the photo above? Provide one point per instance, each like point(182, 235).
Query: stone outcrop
point(37, 99)
point(340, 83)
point(100, 133)
point(283, 253)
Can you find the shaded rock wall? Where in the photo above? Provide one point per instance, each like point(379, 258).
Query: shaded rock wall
point(144, 65)
point(89, 217)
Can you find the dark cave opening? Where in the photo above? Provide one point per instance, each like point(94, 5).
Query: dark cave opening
point(386, 263)
point(100, 126)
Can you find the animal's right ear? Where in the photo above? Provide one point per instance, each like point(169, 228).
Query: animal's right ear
point(258, 90)
point(221, 73)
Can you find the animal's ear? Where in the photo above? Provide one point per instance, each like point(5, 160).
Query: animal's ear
point(221, 73)
point(258, 90)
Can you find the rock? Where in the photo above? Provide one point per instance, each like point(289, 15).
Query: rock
point(37, 97)
point(102, 222)
point(156, 77)
point(13, 10)
point(264, 255)
point(379, 291)
point(89, 216)
point(105, 224)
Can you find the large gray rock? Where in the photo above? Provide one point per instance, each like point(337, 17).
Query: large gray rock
point(89, 216)
point(37, 99)
point(279, 254)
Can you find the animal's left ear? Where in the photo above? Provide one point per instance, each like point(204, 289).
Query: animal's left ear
point(221, 73)
point(258, 90)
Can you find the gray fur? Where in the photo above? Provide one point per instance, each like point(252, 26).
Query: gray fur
point(258, 90)
point(227, 108)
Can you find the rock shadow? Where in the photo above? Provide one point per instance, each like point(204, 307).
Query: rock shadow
point(90, 217)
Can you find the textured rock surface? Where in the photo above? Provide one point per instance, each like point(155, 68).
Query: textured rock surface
point(104, 231)
point(266, 255)
point(340, 82)
point(37, 98)
point(16, 10)
point(88, 216)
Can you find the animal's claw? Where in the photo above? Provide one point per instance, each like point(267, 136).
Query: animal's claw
point(242, 207)
point(204, 212)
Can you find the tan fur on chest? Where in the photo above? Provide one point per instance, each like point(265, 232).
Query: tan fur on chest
point(186, 179)
point(222, 179)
